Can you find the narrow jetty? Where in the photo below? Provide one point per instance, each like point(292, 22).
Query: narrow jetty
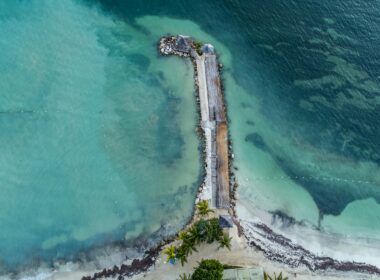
point(213, 120)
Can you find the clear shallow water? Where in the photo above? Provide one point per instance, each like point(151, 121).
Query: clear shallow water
point(97, 132)
point(95, 107)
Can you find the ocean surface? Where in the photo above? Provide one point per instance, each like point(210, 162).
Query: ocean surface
point(98, 135)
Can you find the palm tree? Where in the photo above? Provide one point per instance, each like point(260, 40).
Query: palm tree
point(181, 255)
point(185, 277)
point(225, 241)
point(279, 277)
point(203, 208)
point(189, 247)
point(182, 235)
point(194, 235)
point(170, 252)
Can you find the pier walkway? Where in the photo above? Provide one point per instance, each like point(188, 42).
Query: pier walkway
point(216, 185)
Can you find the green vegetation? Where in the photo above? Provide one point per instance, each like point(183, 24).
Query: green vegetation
point(208, 269)
point(275, 277)
point(170, 252)
point(203, 208)
point(185, 277)
point(201, 231)
point(182, 235)
point(225, 242)
point(198, 45)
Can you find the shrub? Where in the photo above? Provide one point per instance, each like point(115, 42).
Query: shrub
point(275, 277)
point(202, 227)
point(185, 277)
point(225, 242)
point(198, 45)
point(214, 232)
point(208, 269)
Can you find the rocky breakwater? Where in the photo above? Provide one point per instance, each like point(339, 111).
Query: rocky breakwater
point(213, 117)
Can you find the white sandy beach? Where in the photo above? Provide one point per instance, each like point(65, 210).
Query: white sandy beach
point(240, 255)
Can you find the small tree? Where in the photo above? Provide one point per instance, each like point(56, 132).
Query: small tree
point(170, 253)
point(189, 246)
point(182, 256)
point(194, 235)
point(203, 208)
point(208, 269)
point(225, 242)
point(182, 235)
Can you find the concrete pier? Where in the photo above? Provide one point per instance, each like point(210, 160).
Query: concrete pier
point(216, 185)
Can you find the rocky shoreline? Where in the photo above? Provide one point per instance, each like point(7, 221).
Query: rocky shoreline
point(166, 47)
point(184, 46)
point(137, 266)
point(280, 249)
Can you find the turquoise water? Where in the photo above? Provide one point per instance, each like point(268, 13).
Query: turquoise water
point(98, 132)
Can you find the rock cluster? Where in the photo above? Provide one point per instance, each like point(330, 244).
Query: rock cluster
point(137, 266)
point(168, 46)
